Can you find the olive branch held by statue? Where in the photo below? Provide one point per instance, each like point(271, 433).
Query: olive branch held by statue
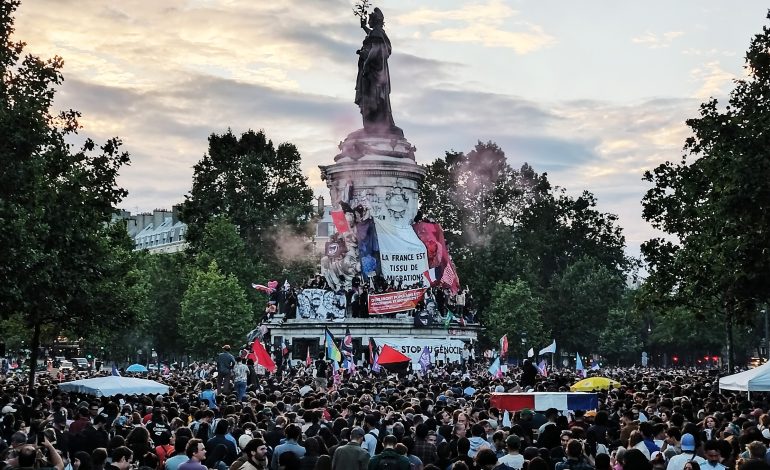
point(361, 9)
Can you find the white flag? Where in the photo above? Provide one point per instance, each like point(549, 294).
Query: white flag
point(531, 352)
point(548, 349)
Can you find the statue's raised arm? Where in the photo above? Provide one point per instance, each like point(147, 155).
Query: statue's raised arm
point(373, 81)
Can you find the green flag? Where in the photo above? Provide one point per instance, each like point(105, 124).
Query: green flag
point(448, 319)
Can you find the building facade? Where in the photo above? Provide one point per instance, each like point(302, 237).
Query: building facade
point(159, 231)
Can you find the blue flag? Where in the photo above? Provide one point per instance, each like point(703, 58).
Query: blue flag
point(579, 365)
point(424, 359)
point(115, 371)
point(494, 369)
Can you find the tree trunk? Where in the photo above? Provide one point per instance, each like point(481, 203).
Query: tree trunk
point(33, 357)
point(729, 331)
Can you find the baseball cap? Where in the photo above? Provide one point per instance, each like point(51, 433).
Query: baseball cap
point(8, 409)
point(688, 442)
point(244, 439)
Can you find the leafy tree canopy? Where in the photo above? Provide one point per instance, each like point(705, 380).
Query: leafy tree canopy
point(714, 202)
point(258, 187)
point(61, 262)
point(215, 312)
point(515, 310)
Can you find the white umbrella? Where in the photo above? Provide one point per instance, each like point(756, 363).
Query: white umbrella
point(114, 385)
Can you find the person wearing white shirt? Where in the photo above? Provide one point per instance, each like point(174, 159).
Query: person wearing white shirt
point(513, 458)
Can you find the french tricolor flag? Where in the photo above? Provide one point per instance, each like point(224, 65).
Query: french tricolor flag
point(541, 401)
point(429, 276)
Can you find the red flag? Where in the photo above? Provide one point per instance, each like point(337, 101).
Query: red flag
point(262, 357)
point(308, 360)
point(262, 288)
point(504, 345)
point(340, 222)
point(449, 278)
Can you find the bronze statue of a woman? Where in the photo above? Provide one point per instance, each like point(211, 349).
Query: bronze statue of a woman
point(373, 81)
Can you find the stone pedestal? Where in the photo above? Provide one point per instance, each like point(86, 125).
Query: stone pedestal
point(377, 172)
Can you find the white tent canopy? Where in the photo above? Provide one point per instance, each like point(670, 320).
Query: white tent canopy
point(114, 385)
point(752, 380)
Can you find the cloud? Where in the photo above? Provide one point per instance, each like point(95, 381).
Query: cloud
point(165, 75)
point(481, 23)
point(657, 41)
point(713, 80)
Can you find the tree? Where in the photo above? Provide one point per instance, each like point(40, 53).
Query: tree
point(714, 205)
point(59, 257)
point(557, 230)
point(619, 340)
point(578, 302)
point(222, 243)
point(258, 187)
point(515, 310)
point(165, 279)
point(505, 224)
point(215, 311)
point(469, 195)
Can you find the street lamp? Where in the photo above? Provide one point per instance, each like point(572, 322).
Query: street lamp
point(767, 337)
point(157, 360)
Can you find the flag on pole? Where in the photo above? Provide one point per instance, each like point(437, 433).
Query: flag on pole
point(262, 288)
point(494, 369)
point(579, 365)
point(332, 351)
point(429, 276)
point(507, 419)
point(372, 350)
point(504, 345)
point(115, 371)
point(595, 366)
point(261, 356)
point(548, 349)
point(531, 352)
point(347, 344)
point(340, 222)
point(284, 347)
point(449, 277)
point(308, 359)
point(542, 368)
point(424, 359)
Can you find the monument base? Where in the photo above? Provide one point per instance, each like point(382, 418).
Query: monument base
point(400, 333)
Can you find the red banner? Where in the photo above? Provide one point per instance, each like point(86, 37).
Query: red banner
point(392, 302)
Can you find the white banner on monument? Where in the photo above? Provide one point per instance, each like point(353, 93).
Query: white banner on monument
point(403, 256)
point(448, 349)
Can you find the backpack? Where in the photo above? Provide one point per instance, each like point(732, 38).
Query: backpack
point(388, 462)
point(377, 448)
point(163, 452)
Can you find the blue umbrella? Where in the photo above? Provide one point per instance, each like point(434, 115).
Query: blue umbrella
point(136, 368)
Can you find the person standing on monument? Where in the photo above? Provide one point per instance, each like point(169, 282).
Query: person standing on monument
point(373, 80)
point(225, 364)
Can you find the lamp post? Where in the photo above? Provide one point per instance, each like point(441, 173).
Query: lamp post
point(157, 360)
point(767, 337)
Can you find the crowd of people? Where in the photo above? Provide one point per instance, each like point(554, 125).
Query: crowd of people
point(438, 420)
point(437, 302)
